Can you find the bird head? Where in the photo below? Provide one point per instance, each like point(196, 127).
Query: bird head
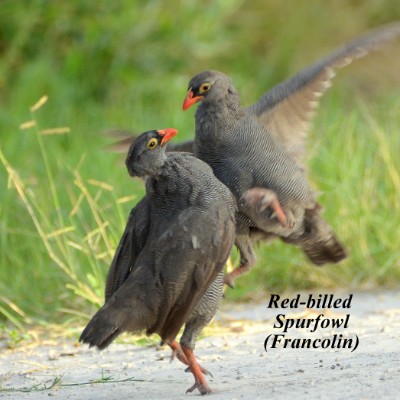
point(208, 86)
point(147, 153)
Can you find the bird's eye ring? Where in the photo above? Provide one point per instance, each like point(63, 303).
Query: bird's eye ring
point(152, 143)
point(205, 87)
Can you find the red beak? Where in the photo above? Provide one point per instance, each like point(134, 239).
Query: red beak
point(190, 100)
point(167, 134)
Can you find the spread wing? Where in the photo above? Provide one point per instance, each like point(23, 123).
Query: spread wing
point(189, 260)
point(287, 109)
point(129, 247)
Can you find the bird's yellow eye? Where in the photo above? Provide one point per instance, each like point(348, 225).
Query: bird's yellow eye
point(152, 143)
point(205, 87)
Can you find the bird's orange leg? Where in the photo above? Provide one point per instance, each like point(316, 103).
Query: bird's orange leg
point(179, 354)
point(229, 279)
point(200, 382)
point(253, 203)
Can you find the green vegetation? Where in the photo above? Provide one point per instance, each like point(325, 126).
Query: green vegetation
point(64, 199)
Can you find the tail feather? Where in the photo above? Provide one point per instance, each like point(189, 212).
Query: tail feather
point(123, 312)
point(325, 251)
point(100, 331)
point(317, 240)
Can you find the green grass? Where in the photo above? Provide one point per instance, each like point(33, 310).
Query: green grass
point(64, 199)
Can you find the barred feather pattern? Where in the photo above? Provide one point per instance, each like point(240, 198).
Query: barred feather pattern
point(204, 312)
point(174, 247)
point(244, 155)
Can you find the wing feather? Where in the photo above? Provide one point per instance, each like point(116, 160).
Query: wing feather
point(129, 247)
point(200, 261)
point(287, 109)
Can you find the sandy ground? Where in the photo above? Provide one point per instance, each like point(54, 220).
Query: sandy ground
point(241, 367)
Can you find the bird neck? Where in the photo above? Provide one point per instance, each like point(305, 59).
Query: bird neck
point(183, 179)
point(214, 118)
point(165, 181)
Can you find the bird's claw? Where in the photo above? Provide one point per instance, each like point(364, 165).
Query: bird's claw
point(229, 280)
point(261, 199)
point(203, 370)
point(202, 388)
point(272, 203)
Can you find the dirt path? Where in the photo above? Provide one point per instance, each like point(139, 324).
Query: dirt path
point(241, 367)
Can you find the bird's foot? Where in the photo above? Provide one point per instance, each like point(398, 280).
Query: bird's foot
point(179, 354)
point(200, 381)
point(260, 199)
point(203, 370)
point(229, 279)
point(203, 388)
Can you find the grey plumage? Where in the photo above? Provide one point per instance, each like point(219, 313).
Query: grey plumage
point(260, 172)
point(167, 269)
point(258, 152)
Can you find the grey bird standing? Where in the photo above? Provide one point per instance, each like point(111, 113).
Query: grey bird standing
point(168, 268)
